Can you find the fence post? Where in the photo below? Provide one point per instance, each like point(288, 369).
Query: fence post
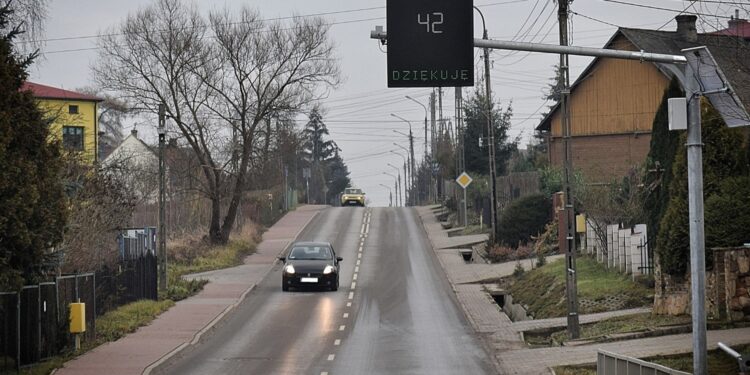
point(39, 322)
point(93, 275)
point(18, 331)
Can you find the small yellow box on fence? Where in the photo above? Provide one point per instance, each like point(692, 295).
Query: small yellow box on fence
point(581, 223)
point(77, 317)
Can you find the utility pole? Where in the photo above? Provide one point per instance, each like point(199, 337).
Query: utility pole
point(571, 282)
point(412, 182)
point(490, 135)
point(460, 148)
point(433, 177)
point(162, 256)
point(426, 182)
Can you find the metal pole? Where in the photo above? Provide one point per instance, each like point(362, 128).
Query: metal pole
point(162, 203)
point(466, 217)
point(571, 283)
point(697, 242)
point(572, 50)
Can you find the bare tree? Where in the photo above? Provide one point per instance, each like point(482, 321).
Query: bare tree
point(217, 89)
point(27, 19)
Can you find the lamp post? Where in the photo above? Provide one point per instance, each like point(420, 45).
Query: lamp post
point(408, 159)
point(390, 195)
point(428, 179)
point(406, 162)
point(162, 252)
point(411, 152)
point(405, 193)
point(397, 184)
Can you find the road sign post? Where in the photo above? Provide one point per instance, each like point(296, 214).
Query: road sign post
point(464, 180)
point(430, 43)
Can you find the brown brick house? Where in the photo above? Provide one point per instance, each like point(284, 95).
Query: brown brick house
point(613, 102)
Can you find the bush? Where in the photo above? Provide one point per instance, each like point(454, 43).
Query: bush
point(727, 214)
point(499, 253)
point(524, 218)
point(723, 159)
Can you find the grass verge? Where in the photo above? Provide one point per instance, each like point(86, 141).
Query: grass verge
point(718, 363)
point(595, 283)
point(621, 324)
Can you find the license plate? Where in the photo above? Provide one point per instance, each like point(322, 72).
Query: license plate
point(309, 280)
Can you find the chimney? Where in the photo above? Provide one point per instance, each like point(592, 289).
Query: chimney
point(134, 132)
point(735, 22)
point(686, 28)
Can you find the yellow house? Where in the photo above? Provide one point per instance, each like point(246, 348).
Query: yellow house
point(73, 118)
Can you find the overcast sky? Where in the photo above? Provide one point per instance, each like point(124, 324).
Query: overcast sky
point(358, 112)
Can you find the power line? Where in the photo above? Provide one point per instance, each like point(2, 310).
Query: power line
point(662, 8)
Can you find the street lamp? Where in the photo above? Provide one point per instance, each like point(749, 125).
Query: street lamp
point(407, 163)
point(425, 121)
point(390, 195)
point(397, 184)
point(428, 180)
point(411, 152)
point(406, 178)
point(405, 159)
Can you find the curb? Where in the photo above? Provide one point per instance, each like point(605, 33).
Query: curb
point(196, 338)
point(488, 348)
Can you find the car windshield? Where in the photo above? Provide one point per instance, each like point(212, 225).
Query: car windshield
point(353, 191)
point(311, 253)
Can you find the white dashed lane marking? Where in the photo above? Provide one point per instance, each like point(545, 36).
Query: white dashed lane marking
point(346, 315)
point(351, 295)
point(337, 342)
point(331, 357)
point(342, 327)
point(348, 304)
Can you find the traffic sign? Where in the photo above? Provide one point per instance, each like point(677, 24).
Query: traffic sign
point(430, 43)
point(464, 180)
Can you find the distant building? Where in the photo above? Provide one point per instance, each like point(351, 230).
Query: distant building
point(613, 102)
point(74, 118)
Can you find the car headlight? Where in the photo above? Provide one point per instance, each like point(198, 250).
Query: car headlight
point(328, 269)
point(289, 269)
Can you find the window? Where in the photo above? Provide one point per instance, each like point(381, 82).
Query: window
point(73, 137)
point(73, 109)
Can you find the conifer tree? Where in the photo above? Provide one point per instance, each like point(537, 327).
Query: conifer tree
point(32, 209)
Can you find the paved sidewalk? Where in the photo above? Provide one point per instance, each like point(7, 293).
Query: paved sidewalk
point(183, 324)
point(504, 337)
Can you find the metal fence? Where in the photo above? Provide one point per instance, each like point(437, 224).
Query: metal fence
point(34, 321)
point(608, 363)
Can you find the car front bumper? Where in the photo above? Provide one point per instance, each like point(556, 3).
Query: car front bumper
point(309, 279)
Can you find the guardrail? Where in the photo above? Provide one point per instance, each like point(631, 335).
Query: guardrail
point(743, 363)
point(608, 363)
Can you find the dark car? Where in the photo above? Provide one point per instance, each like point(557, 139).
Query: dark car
point(310, 264)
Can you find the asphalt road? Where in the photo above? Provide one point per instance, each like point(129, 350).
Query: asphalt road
point(393, 314)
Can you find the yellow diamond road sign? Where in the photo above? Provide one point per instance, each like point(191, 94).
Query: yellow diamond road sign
point(464, 180)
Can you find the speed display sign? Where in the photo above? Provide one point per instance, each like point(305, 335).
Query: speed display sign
point(430, 43)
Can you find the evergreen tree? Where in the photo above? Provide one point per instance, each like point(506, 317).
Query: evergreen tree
point(658, 168)
point(723, 159)
point(31, 195)
point(475, 120)
point(327, 168)
point(339, 176)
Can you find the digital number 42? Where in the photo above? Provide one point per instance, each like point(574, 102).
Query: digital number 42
point(431, 24)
